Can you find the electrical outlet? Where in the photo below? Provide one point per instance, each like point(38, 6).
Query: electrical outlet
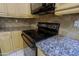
point(16, 20)
point(76, 24)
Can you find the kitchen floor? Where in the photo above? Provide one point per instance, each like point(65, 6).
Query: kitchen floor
point(23, 52)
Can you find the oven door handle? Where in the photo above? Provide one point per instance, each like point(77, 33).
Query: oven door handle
point(28, 42)
point(31, 45)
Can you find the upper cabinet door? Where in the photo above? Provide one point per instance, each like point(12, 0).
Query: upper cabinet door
point(11, 9)
point(61, 6)
point(66, 8)
point(23, 10)
point(19, 10)
point(3, 9)
point(16, 10)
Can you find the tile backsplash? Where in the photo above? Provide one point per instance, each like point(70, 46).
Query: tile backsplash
point(66, 23)
point(7, 24)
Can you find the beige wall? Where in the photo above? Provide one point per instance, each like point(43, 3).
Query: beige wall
point(66, 24)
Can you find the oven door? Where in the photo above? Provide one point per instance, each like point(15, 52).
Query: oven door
point(31, 44)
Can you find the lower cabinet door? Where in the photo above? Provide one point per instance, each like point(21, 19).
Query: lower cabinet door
point(17, 40)
point(5, 43)
point(11, 41)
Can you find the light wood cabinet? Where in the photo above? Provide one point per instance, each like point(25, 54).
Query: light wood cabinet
point(3, 9)
point(40, 53)
point(60, 6)
point(11, 9)
point(24, 10)
point(18, 10)
point(17, 40)
point(11, 41)
point(6, 43)
point(66, 8)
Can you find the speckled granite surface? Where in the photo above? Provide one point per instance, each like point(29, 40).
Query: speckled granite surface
point(59, 46)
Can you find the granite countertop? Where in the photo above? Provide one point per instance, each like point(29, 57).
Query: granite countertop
point(59, 46)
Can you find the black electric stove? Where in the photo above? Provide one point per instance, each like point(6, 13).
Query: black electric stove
point(44, 31)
